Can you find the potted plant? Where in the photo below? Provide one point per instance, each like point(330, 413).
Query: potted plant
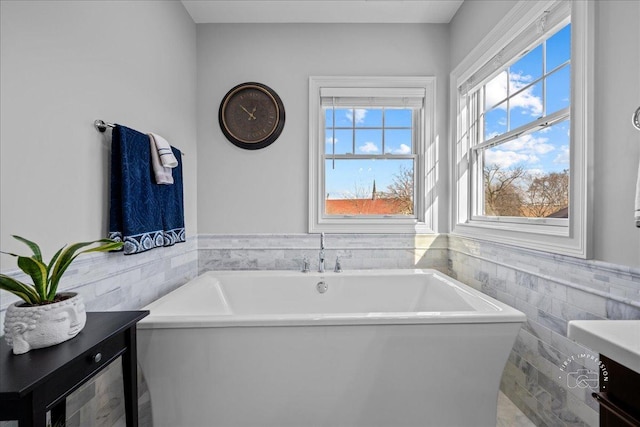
point(45, 317)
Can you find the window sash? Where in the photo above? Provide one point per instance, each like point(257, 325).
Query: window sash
point(530, 127)
point(475, 106)
point(414, 128)
point(552, 18)
point(415, 134)
point(371, 89)
point(574, 240)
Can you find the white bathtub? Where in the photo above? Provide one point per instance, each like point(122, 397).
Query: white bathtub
point(378, 348)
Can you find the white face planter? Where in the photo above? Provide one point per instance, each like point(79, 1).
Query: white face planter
point(32, 327)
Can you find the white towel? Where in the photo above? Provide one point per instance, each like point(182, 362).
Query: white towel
point(167, 158)
point(163, 175)
point(638, 198)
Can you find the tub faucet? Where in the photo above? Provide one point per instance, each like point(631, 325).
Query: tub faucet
point(321, 255)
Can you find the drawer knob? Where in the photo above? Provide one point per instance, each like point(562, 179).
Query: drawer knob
point(97, 357)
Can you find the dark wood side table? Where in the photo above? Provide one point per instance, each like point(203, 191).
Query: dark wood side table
point(38, 381)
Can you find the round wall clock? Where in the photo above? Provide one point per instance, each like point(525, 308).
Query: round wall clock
point(251, 116)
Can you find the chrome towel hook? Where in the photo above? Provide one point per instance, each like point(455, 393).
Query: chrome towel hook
point(635, 119)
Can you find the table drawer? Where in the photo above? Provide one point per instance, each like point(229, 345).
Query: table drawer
point(83, 368)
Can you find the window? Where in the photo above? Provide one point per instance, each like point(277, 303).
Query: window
point(368, 154)
point(520, 156)
point(521, 131)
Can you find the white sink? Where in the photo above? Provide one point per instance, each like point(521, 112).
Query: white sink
point(619, 340)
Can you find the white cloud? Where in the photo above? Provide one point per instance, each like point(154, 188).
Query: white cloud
point(528, 144)
point(504, 159)
point(332, 140)
point(563, 157)
point(526, 149)
point(496, 90)
point(404, 149)
point(360, 114)
point(368, 147)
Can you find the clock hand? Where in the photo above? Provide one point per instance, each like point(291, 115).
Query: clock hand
point(250, 113)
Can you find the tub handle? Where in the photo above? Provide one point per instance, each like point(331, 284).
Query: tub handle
point(305, 265)
point(338, 267)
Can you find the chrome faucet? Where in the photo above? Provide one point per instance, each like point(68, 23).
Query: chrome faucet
point(321, 255)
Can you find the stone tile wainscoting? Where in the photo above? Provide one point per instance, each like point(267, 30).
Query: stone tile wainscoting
point(109, 282)
point(287, 251)
point(551, 290)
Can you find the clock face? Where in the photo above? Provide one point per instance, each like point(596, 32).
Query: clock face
point(251, 116)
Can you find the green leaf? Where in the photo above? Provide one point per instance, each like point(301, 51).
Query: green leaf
point(19, 289)
point(38, 272)
point(67, 254)
point(37, 254)
point(53, 262)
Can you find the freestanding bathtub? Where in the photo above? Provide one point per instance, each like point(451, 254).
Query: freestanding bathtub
point(361, 348)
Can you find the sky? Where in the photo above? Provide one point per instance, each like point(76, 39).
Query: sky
point(546, 150)
point(361, 131)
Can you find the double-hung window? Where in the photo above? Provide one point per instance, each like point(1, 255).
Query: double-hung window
point(521, 141)
point(368, 156)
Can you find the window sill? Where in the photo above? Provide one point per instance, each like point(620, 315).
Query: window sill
point(554, 239)
point(373, 226)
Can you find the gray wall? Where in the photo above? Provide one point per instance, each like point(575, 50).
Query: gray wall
point(265, 191)
point(64, 64)
point(472, 22)
point(617, 95)
point(617, 143)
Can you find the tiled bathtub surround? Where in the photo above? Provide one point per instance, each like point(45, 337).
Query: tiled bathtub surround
point(550, 290)
point(287, 251)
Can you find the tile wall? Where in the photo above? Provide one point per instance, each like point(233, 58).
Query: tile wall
point(551, 290)
point(287, 251)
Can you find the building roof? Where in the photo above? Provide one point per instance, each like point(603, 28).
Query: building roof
point(377, 206)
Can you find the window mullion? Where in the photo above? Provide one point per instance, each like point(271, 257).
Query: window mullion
point(353, 131)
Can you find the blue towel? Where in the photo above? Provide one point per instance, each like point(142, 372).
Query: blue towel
point(144, 215)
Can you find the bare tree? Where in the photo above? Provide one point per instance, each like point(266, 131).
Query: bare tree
point(516, 192)
point(361, 198)
point(501, 192)
point(401, 190)
point(547, 194)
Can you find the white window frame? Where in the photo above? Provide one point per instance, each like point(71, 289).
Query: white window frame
point(424, 151)
point(568, 237)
